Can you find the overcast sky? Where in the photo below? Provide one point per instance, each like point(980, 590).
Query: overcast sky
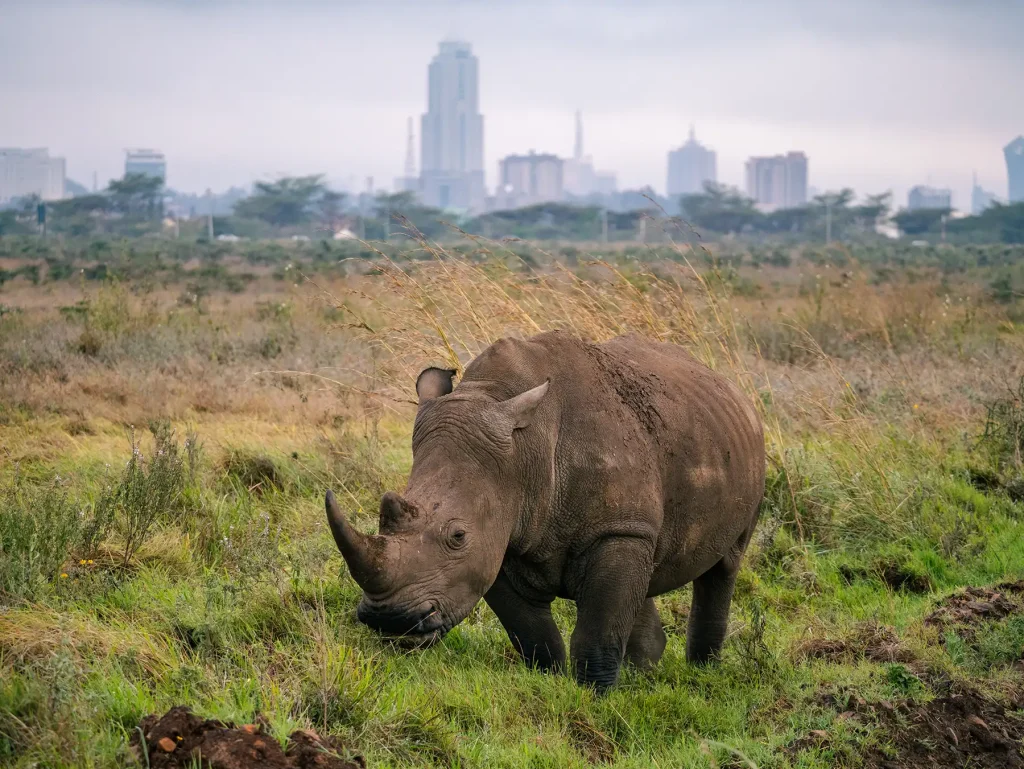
point(880, 95)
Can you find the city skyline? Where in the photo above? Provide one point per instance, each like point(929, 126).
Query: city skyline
point(255, 96)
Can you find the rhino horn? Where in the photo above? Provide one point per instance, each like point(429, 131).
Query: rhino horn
point(364, 554)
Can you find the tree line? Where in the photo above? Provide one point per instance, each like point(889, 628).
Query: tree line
point(305, 206)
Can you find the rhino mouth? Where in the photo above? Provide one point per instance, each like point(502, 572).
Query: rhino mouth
point(414, 640)
point(409, 630)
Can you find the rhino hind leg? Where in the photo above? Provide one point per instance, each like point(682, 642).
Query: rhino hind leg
point(709, 612)
point(647, 640)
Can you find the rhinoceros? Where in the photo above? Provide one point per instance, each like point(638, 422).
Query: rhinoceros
point(602, 473)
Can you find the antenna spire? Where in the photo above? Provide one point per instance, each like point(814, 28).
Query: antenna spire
point(410, 154)
point(577, 150)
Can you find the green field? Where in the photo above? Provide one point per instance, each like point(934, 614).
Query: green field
point(171, 416)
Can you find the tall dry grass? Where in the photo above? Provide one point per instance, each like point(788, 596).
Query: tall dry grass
point(446, 310)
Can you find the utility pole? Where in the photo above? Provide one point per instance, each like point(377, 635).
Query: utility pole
point(643, 228)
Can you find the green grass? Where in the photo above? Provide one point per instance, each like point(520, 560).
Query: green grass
point(242, 607)
point(205, 575)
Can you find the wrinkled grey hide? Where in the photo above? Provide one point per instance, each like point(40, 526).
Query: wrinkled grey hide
point(606, 474)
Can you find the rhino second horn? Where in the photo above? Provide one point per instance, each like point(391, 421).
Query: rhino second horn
point(364, 554)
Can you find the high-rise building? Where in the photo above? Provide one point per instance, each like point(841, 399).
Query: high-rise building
point(452, 132)
point(1014, 152)
point(146, 163)
point(980, 198)
point(578, 171)
point(921, 197)
point(579, 177)
point(689, 167)
point(529, 179)
point(778, 181)
point(27, 172)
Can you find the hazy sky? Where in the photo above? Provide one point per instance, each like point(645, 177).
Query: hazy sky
point(881, 95)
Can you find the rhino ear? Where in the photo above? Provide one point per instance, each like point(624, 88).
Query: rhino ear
point(433, 383)
point(522, 407)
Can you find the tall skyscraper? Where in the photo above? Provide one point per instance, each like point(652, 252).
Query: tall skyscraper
point(778, 181)
point(452, 132)
point(689, 167)
point(1014, 152)
point(529, 179)
point(921, 197)
point(145, 162)
point(27, 172)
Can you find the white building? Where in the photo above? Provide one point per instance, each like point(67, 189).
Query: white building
point(27, 172)
point(778, 181)
point(921, 197)
point(145, 162)
point(981, 198)
point(689, 167)
point(1014, 153)
point(452, 132)
point(526, 180)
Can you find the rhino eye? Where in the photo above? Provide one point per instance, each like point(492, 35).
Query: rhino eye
point(457, 538)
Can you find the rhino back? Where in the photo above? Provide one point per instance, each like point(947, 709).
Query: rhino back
point(636, 438)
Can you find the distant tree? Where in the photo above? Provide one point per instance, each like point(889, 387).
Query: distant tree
point(288, 202)
point(330, 209)
point(919, 221)
point(789, 220)
point(999, 223)
point(873, 211)
point(719, 209)
point(82, 205)
point(80, 215)
point(401, 210)
point(543, 220)
point(138, 195)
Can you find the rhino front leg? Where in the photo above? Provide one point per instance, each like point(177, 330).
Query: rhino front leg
point(529, 625)
point(647, 640)
point(613, 591)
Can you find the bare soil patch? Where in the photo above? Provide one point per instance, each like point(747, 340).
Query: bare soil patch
point(870, 641)
point(965, 610)
point(180, 738)
point(962, 728)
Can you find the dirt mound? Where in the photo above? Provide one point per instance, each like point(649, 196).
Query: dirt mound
point(960, 729)
point(182, 739)
point(869, 640)
point(972, 606)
